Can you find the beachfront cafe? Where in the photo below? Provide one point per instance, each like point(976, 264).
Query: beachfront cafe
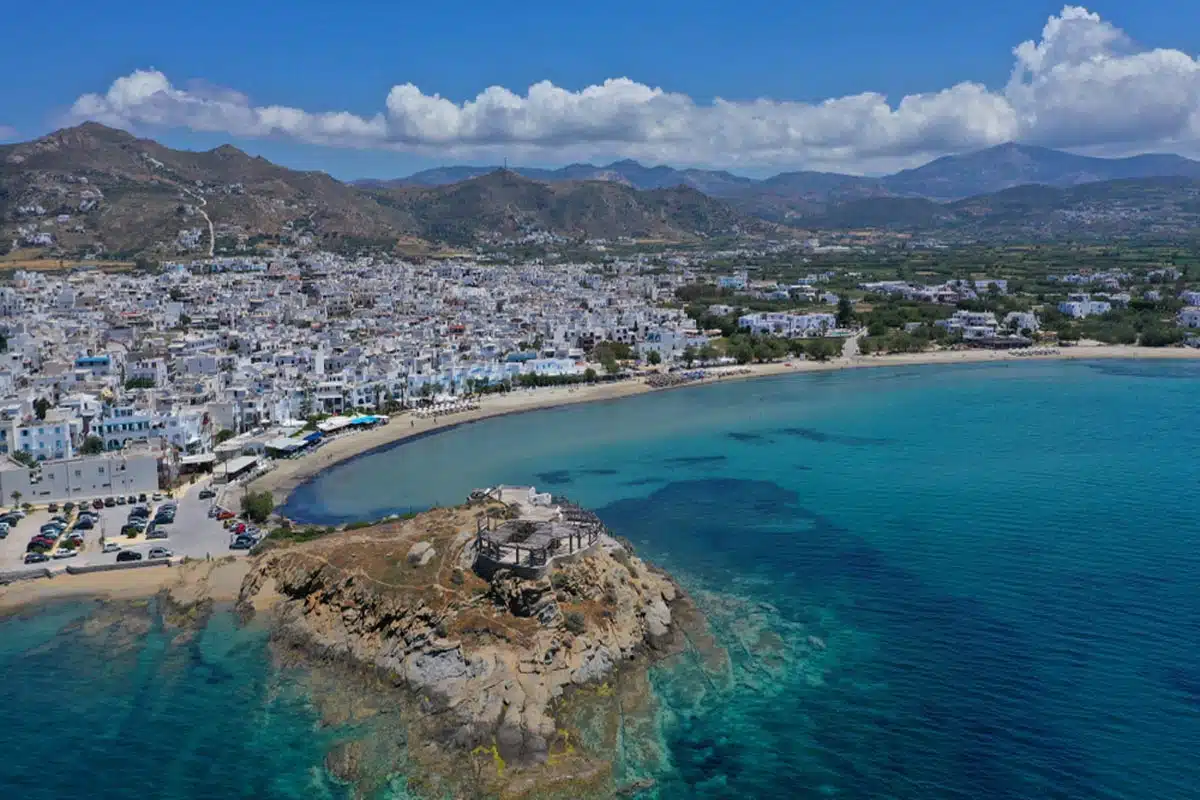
point(340, 424)
point(291, 446)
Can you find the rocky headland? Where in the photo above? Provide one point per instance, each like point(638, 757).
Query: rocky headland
point(494, 680)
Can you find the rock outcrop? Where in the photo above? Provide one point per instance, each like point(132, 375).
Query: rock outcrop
point(487, 662)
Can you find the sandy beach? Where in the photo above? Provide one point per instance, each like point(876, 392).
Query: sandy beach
point(219, 580)
point(289, 474)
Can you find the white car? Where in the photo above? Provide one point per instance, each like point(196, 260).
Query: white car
point(110, 547)
point(157, 552)
point(65, 552)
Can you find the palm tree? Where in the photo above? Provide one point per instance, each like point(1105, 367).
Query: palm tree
point(16, 498)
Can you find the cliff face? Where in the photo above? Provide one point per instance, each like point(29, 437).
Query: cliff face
point(488, 661)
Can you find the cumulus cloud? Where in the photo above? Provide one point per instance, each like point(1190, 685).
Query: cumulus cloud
point(1083, 84)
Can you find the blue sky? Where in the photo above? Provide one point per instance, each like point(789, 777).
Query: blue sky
point(320, 57)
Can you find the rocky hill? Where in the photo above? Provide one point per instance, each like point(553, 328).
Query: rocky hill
point(504, 204)
point(493, 672)
point(1155, 208)
point(92, 189)
point(797, 198)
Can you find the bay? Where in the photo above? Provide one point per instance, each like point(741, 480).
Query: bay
point(969, 581)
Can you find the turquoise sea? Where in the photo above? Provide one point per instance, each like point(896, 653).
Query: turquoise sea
point(931, 582)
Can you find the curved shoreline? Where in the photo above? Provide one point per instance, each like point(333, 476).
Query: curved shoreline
point(287, 476)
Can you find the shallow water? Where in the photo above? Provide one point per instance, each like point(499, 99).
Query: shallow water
point(977, 581)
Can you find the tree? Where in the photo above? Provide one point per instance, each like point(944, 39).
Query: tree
point(40, 407)
point(257, 506)
point(653, 358)
point(223, 435)
point(139, 383)
point(689, 355)
point(16, 498)
point(92, 446)
point(845, 312)
point(589, 375)
point(821, 349)
point(25, 457)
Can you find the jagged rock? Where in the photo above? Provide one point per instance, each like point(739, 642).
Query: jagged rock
point(524, 598)
point(596, 665)
point(421, 554)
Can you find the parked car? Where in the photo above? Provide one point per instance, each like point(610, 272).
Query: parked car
point(157, 496)
point(142, 497)
point(164, 519)
point(16, 512)
point(111, 547)
point(207, 494)
point(36, 558)
point(129, 555)
point(84, 524)
point(109, 502)
point(223, 515)
point(139, 511)
point(97, 503)
point(159, 552)
point(65, 552)
point(242, 543)
point(120, 499)
point(53, 507)
point(3, 530)
point(68, 507)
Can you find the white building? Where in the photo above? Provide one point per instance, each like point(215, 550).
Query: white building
point(1079, 306)
point(124, 425)
point(788, 325)
point(79, 478)
point(1021, 321)
point(971, 324)
point(44, 439)
point(1190, 317)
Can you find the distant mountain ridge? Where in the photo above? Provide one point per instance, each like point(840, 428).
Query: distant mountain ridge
point(787, 194)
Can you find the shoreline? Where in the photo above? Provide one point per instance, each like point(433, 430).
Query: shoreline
point(289, 475)
point(219, 580)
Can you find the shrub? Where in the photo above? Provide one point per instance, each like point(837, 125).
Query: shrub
point(576, 623)
point(457, 577)
point(257, 506)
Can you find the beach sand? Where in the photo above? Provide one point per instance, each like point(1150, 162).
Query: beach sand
point(219, 580)
point(289, 474)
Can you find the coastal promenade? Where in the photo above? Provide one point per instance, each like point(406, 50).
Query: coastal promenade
point(289, 474)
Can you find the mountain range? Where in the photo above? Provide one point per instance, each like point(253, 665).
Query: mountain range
point(94, 189)
point(944, 179)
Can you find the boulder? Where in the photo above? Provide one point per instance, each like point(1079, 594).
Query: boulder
point(421, 554)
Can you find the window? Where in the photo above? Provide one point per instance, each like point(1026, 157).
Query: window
point(78, 473)
point(101, 470)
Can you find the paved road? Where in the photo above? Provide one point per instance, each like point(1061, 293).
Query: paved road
point(850, 346)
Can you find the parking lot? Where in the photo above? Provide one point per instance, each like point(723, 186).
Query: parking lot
point(193, 534)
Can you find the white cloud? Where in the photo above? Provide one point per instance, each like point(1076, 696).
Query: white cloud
point(1084, 84)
